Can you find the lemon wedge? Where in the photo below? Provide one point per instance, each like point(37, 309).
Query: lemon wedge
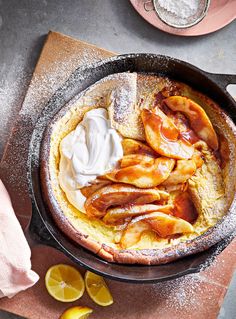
point(76, 312)
point(64, 283)
point(97, 289)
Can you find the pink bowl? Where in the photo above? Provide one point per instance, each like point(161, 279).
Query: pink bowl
point(220, 13)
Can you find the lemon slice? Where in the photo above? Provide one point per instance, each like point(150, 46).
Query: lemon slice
point(64, 283)
point(76, 312)
point(97, 289)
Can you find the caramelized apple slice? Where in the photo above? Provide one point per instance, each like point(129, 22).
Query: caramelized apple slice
point(119, 213)
point(120, 194)
point(197, 158)
point(184, 207)
point(198, 118)
point(144, 175)
point(162, 140)
point(164, 225)
point(131, 146)
point(169, 129)
point(175, 187)
point(182, 172)
point(122, 226)
point(133, 233)
point(134, 159)
point(89, 190)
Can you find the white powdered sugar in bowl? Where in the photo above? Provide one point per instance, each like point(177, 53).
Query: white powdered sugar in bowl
point(181, 13)
point(181, 8)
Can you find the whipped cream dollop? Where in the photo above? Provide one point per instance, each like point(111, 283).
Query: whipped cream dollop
point(92, 149)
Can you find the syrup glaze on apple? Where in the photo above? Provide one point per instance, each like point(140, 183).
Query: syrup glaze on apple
point(167, 159)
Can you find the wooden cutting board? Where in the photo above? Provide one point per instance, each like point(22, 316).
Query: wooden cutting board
point(195, 296)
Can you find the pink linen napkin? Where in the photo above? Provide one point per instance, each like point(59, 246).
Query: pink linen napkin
point(15, 265)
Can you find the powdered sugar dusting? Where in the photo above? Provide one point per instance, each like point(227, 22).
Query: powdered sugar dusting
point(12, 90)
point(48, 81)
point(181, 13)
point(28, 117)
point(43, 85)
point(181, 8)
point(123, 99)
point(179, 293)
point(188, 297)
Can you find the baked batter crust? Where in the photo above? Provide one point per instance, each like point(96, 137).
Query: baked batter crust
point(212, 188)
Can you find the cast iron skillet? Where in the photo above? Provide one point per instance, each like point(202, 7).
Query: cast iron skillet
point(42, 227)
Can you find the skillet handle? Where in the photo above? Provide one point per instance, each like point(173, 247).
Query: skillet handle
point(36, 232)
point(223, 80)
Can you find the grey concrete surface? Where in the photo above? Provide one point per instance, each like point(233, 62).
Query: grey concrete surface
point(112, 24)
